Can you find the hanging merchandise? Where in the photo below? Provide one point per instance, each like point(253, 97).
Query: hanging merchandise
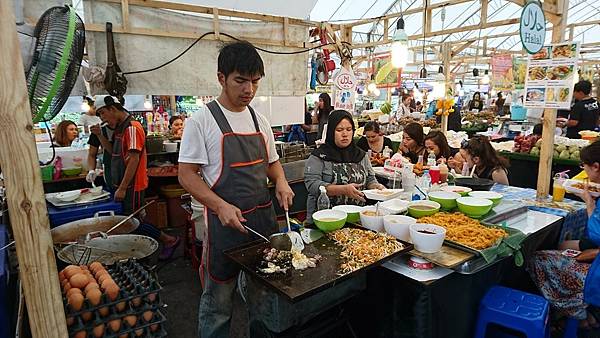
point(313, 72)
point(323, 60)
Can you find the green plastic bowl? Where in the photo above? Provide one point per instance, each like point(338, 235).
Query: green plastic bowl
point(445, 198)
point(493, 196)
point(353, 212)
point(329, 220)
point(474, 207)
point(414, 211)
point(74, 171)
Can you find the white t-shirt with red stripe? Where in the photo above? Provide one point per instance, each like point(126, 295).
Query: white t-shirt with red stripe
point(201, 141)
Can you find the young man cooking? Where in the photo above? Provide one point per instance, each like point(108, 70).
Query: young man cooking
point(128, 167)
point(233, 149)
point(585, 111)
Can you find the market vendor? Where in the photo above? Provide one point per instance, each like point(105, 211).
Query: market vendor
point(227, 153)
point(89, 117)
point(176, 127)
point(403, 108)
point(476, 103)
point(562, 279)
point(128, 167)
point(339, 165)
point(373, 139)
point(66, 132)
point(585, 112)
point(413, 140)
point(500, 104)
point(436, 141)
point(323, 108)
point(478, 152)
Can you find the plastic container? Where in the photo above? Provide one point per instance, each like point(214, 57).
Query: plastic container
point(60, 216)
point(176, 213)
point(47, 172)
point(323, 200)
point(518, 113)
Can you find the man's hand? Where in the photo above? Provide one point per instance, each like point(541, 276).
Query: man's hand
point(96, 130)
point(284, 194)
point(120, 194)
point(231, 216)
point(91, 176)
point(587, 256)
point(351, 190)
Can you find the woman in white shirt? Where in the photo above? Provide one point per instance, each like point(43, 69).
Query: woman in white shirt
point(89, 117)
point(404, 107)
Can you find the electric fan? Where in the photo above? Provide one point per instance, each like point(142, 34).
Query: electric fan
point(60, 40)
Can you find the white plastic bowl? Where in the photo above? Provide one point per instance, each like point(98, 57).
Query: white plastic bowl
point(395, 206)
point(374, 223)
point(68, 196)
point(427, 243)
point(398, 226)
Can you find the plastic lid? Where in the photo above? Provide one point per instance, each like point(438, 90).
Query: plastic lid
point(322, 189)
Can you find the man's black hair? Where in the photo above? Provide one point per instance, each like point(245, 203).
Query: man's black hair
point(583, 86)
point(240, 56)
point(591, 154)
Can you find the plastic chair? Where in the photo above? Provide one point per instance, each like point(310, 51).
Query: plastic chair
point(514, 309)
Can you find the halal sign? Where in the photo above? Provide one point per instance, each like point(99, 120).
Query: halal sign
point(533, 27)
point(345, 80)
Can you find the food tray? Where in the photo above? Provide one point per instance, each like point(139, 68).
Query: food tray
point(382, 195)
point(296, 285)
point(85, 198)
point(478, 252)
point(139, 292)
point(570, 187)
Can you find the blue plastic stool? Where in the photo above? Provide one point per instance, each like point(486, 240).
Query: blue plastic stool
point(514, 309)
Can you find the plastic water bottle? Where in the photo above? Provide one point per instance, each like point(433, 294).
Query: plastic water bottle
point(431, 160)
point(426, 181)
point(323, 201)
point(387, 152)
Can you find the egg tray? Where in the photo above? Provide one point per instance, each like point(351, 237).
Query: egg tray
point(129, 331)
point(134, 282)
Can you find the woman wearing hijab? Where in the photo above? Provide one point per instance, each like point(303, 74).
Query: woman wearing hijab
point(338, 165)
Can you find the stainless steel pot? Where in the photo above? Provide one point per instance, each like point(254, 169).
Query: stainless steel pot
point(77, 230)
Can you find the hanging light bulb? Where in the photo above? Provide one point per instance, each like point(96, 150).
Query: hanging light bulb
point(441, 70)
point(486, 78)
point(423, 73)
point(399, 46)
point(372, 86)
point(376, 92)
point(147, 102)
point(475, 72)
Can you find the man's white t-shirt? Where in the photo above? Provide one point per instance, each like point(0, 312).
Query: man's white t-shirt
point(201, 141)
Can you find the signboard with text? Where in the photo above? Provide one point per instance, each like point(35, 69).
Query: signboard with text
point(532, 28)
point(344, 90)
point(502, 72)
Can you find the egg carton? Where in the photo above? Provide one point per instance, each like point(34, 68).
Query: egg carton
point(153, 328)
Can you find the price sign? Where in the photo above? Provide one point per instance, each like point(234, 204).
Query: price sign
point(533, 27)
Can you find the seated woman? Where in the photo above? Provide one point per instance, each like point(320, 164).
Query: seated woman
point(66, 132)
point(373, 139)
point(338, 165)
point(479, 152)
point(412, 142)
point(176, 127)
point(562, 279)
point(436, 141)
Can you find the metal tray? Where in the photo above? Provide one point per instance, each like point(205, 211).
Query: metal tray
point(105, 195)
point(297, 285)
point(476, 251)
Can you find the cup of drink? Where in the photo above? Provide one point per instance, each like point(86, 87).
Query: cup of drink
point(558, 189)
point(434, 173)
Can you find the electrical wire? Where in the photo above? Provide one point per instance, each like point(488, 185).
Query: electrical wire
point(306, 50)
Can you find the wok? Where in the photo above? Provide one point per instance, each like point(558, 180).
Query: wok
point(74, 231)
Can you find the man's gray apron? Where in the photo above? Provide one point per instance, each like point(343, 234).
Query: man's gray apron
point(242, 183)
point(117, 162)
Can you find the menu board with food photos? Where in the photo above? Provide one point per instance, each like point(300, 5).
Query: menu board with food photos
point(551, 75)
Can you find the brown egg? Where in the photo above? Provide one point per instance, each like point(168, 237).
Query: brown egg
point(79, 280)
point(148, 316)
point(115, 325)
point(66, 287)
point(139, 333)
point(75, 301)
point(131, 320)
point(61, 275)
point(92, 285)
point(84, 267)
point(112, 291)
point(99, 331)
point(101, 272)
point(94, 295)
point(103, 311)
point(71, 270)
point(121, 306)
point(95, 266)
point(70, 321)
point(137, 301)
point(125, 335)
point(154, 327)
point(87, 316)
point(106, 282)
point(73, 291)
point(152, 297)
point(80, 334)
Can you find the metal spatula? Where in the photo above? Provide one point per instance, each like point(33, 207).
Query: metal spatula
point(277, 241)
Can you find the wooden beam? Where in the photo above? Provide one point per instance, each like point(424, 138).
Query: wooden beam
point(484, 12)
point(547, 6)
point(25, 192)
point(549, 120)
point(286, 23)
point(428, 12)
point(386, 28)
point(448, 83)
point(460, 48)
point(125, 13)
point(216, 27)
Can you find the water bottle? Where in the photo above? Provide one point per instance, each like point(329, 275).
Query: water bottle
point(426, 181)
point(323, 201)
point(465, 169)
point(387, 152)
point(431, 160)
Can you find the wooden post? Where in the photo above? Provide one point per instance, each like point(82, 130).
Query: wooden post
point(215, 11)
point(173, 100)
point(446, 53)
point(125, 14)
point(386, 34)
point(549, 121)
point(286, 23)
point(25, 193)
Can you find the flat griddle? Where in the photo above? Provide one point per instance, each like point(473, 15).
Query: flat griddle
point(297, 285)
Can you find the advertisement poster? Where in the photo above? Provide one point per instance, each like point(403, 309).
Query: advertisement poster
point(519, 72)
point(393, 78)
point(551, 74)
point(502, 72)
point(344, 90)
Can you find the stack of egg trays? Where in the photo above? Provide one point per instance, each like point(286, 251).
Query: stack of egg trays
point(139, 292)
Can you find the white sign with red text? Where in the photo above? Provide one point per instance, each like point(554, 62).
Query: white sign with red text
point(344, 90)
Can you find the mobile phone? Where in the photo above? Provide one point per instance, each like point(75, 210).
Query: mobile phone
point(571, 253)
